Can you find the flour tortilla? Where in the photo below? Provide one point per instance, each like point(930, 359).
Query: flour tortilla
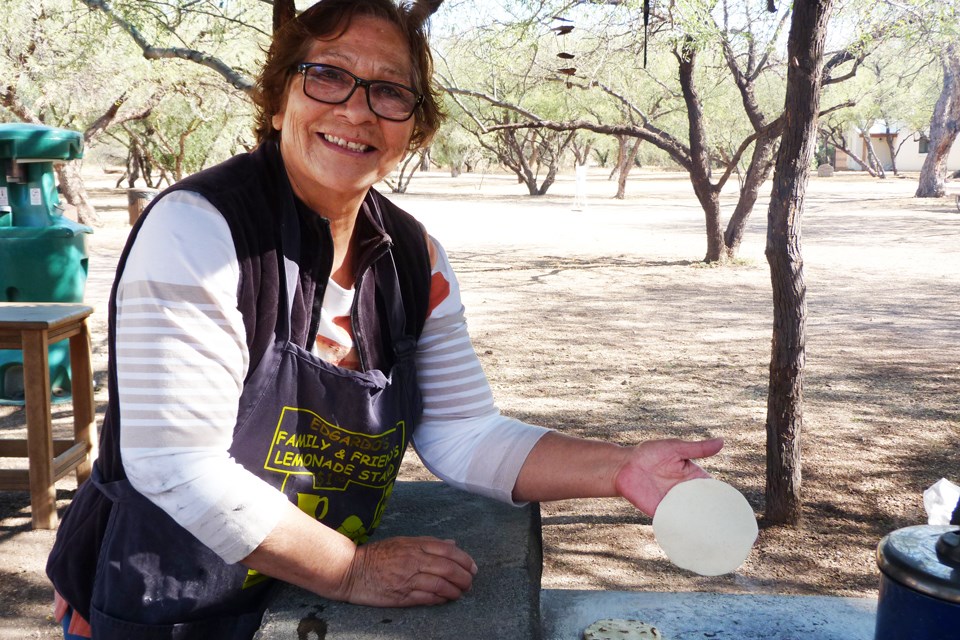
point(705, 526)
point(614, 629)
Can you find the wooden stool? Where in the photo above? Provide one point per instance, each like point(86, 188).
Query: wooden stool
point(32, 328)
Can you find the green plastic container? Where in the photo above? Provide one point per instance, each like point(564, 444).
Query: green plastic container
point(43, 256)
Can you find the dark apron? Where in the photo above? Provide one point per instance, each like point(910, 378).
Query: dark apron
point(329, 438)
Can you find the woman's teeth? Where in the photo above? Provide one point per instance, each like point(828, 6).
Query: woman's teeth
point(340, 142)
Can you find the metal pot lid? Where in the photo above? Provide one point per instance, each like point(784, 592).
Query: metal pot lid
point(909, 557)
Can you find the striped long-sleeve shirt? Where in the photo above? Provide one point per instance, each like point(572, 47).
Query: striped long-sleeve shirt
point(182, 358)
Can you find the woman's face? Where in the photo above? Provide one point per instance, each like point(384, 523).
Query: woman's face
point(334, 153)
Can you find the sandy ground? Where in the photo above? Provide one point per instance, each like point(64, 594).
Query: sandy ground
point(603, 322)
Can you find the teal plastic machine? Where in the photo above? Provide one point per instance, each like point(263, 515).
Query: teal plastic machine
point(43, 255)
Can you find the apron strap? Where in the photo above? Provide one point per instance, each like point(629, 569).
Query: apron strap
point(388, 282)
point(385, 275)
point(289, 269)
point(115, 490)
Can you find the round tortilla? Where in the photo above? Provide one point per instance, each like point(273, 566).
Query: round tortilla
point(614, 629)
point(705, 526)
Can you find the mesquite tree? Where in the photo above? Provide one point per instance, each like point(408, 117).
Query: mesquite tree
point(944, 126)
point(714, 117)
point(784, 424)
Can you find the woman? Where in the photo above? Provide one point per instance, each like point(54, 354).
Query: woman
point(265, 382)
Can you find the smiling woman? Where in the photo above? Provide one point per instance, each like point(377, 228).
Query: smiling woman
point(279, 333)
point(335, 149)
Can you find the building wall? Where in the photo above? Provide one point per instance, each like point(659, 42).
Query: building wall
point(909, 157)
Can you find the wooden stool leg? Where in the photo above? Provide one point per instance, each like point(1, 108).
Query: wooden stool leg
point(36, 383)
point(81, 388)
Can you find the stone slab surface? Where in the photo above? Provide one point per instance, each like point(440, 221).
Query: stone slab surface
point(505, 599)
point(705, 616)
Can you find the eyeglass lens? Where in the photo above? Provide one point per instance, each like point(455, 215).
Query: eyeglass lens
point(333, 85)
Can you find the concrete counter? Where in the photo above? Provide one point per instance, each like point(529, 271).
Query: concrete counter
point(505, 599)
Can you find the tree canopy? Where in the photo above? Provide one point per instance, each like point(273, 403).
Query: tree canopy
point(166, 82)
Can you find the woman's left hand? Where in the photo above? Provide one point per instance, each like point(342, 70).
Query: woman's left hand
point(653, 468)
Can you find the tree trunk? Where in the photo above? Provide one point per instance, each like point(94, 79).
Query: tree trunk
point(761, 163)
point(627, 165)
point(873, 159)
point(707, 194)
point(71, 186)
point(893, 150)
point(944, 126)
point(621, 154)
point(405, 172)
point(709, 197)
point(808, 32)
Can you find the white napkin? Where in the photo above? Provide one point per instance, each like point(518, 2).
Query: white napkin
point(940, 500)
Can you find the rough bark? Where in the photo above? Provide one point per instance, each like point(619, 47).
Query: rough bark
point(621, 156)
point(707, 193)
point(944, 127)
point(872, 156)
point(892, 149)
point(761, 164)
point(68, 174)
point(74, 193)
point(624, 171)
point(785, 394)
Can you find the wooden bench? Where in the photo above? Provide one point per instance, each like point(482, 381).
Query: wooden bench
point(32, 328)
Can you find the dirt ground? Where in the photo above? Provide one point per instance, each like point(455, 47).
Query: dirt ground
point(603, 322)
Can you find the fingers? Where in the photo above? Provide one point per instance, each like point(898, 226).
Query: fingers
point(436, 586)
point(656, 466)
point(449, 550)
point(695, 449)
point(402, 572)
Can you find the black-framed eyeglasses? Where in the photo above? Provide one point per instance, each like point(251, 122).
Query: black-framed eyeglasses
point(333, 85)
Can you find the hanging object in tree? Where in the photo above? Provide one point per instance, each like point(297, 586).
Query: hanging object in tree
point(646, 25)
point(771, 6)
point(562, 30)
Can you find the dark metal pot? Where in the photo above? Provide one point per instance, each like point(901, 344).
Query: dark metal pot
point(919, 584)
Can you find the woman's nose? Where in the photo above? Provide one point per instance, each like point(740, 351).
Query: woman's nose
point(356, 108)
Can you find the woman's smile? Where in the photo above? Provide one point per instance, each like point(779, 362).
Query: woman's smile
point(356, 147)
point(334, 153)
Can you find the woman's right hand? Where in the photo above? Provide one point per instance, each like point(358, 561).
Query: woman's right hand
point(407, 571)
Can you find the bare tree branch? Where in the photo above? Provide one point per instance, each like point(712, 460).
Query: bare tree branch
point(838, 59)
point(104, 121)
point(150, 52)
point(10, 100)
point(494, 101)
point(677, 151)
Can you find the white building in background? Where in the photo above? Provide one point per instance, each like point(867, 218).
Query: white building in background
point(910, 148)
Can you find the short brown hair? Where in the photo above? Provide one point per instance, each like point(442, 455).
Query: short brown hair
point(328, 19)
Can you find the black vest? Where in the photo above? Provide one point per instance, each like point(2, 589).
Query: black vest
point(248, 190)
